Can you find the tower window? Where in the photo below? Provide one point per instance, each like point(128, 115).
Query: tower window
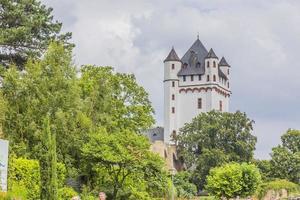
point(214, 63)
point(199, 103)
point(192, 78)
point(173, 97)
point(184, 78)
point(228, 84)
point(214, 78)
point(173, 66)
point(207, 64)
point(173, 109)
point(173, 83)
point(228, 71)
point(221, 105)
point(199, 77)
point(207, 78)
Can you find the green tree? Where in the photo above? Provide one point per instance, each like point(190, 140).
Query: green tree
point(183, 185)
point(115, 100)
point(264, 167)
point(26, 29)
point(121, 162)
point(285, 158)
point(49, 87)
point(214, 138)
point(233, 180)
point(49, 164)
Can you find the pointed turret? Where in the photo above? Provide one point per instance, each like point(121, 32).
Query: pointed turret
point(223, 62)
point(172, 56)
point(211, 54)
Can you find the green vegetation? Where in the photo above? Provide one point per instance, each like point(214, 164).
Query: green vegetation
point(277, 186)
point(184, 187)
point(214, 138)
point(26, 29)
point(285, 158)
point(233, 180)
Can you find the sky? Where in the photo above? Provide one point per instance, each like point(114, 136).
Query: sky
point(259, 39)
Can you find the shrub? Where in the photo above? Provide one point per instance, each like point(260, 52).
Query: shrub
point(276, 186)
point(233, 180)
point(66, 193)
point(183, 185)
point(24, 177)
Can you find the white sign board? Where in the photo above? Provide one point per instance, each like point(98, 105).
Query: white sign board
point(3, 164)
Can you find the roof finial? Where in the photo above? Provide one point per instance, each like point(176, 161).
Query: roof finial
point(198, 35)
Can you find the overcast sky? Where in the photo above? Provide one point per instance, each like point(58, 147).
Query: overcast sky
point(259, 39)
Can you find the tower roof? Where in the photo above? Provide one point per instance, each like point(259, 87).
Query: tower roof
point(172, 56)
point(194, 59)
point(223, 62)
point(211, 54)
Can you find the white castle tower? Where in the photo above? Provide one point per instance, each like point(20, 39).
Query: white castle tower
point(198, 82)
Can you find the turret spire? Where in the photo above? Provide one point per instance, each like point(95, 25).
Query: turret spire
point(223, 62)
point(172, 56)
point(211, 54)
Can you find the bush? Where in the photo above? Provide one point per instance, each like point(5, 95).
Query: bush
point(66, 193)
point(276, 186)
point(183, 185)
point(24, 177)
point(233, 180)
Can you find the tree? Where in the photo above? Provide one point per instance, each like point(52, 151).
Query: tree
point(49, 87)
point(26, 29)
point(264, 167)
point(285, 158)
point(115, 100)
point(183, 185)
point(121, 162)
point(49, 164)
point(233, 180)
point(214, 138)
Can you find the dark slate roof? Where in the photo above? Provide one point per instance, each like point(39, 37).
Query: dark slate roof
point(193, 60)
point(211, 54)
point(222, 75)
point(223, 62)
point(172, 56)
point(155, 134)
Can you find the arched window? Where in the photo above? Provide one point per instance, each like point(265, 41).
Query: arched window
point(228, 84)
point(173, 109)
point(199, 77)
point(207, 64)
point(228, 71)
point(192, 77)
point(184, 78)
point(173, 66)
point(173, 97)
point(198, 65)
point(207, 78)
point(214, 78)
point(221, 105)
point(214, 63)
point(173, 83)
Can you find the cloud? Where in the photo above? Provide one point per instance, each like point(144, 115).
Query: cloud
point(260, 39)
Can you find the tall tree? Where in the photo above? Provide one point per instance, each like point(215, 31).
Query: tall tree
point(214, 138)
point(48, 87)
point(48, 163)
point(285, 158)
point(26, 29)
point(115, 100)
point(122, 162)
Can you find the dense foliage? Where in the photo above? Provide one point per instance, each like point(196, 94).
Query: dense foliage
point(233, 180)
point(26, 29)
point(214, 138)
point(184, 187)
point(122, 161)
point(277, 186)
point(285, 158)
